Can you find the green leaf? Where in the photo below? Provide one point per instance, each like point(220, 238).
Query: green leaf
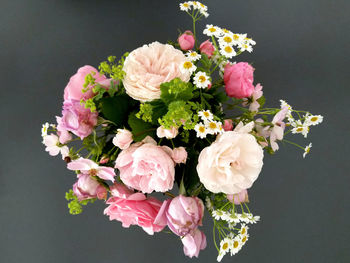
point(116, 109)
point(139, 128)
point(159, 110)
point(176, 90)
point(261, 101)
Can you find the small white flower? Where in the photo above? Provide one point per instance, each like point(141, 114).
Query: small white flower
point(224, 31)
point(205, 13)
point(201, 130)
point(244, 229)
point(217, 214)
point(313, 119)
point(244, 238)
point(44, 129)
point(205, 115)
point(202, 6)
point(245, 47)
point(220, 256)
point(193, 55)
point(238, 38)
point(227, 51)
point(211, 30)
point(250, 41)
point(307, 149)
point(252, 219)
point(300, 128)
point(236, 245)
point(243, 218)
point(188, 66)
point(226, 39)
point(201, 80)
point(233, 219)
point(231, 225)
point(225, 245)
point(185, 6)
point(213, 127)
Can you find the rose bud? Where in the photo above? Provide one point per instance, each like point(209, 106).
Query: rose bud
point(123, 139)
point(207, 48)
point(186, 40)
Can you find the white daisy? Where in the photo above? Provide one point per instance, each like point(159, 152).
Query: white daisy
point(201, 80)
point(225, 245)
point(253, 219)
point(201, 130)
point(250, 41)
point(211, 30)
point(300, 128)
point(245, 47)
point(244, 229)
point(244, 238)
point(217, 214)
point(227, 51)
point(44, 129)
point(225, 31)
point(205, 115)
point(236, 245)
point(238, 38)
point(202, 6)
point(205, 13)
point(307, 149)
point(188, 66)
point(313, 119)
point(193, 55)
point(226, 39)
point(243, 218)
point(185, 6)
point(233, 218)
point(213, 127)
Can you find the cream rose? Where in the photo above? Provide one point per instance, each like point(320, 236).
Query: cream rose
point(230, 164)
point(149, 66)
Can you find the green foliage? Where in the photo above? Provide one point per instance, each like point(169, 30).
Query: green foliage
point(116, 108)
point(113, 68)
point(176, 90)
point(205, 64)
point(75, 206)
point(145, 113)
point(94, 144)
point(261, 101)
point(179, 114)
point(139, 128)
point(89, 82)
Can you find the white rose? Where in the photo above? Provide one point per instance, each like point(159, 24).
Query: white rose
point(230, 164)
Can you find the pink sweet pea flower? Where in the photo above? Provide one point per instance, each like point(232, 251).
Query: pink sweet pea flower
point(193, 243)
point(186, 40)
point(182, 214)
point(133, 209)
point(89, 167)
point(278, 128)
point(207, 48)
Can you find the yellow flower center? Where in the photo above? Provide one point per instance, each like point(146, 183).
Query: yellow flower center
point(228, 49)
point(193, 54)
point(201, 129)
point(235, 244)
point(187, 65)
point(244, 239)
point(300, 129)
point(225, 246)
point(225, 30)
point(243, 231)
point(206, 114)
point(212, 125)
point(186, 5)
point(202, 79)
point(212, 29)
point(93, 172)
point(228, 39)
point(235, 37)
point(314, 118)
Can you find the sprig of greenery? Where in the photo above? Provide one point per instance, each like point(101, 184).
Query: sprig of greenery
point(75, 206)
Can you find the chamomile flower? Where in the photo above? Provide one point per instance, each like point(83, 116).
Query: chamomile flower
point(193, 56)
point(188, 66)
point(217, 214)
point(250, 41)
point(244, 229)
point(201, 130)
point(205, 115)
point(307, 149)
point(44, 129)
point(185, 6)
point(233, 219)
point(245, 47)
point(205, 13)
point(244, 238)
point(226, 39)
point(213, 127)
point(252, 219)
point(243, 218)
point(225, 31)
point(238, 38)
point(227, 51)
point(313, 119)
point(236, 245)
point(225, 245)
point(202, 6)
point(201, 80)
point(211, 30)
point(300, 128)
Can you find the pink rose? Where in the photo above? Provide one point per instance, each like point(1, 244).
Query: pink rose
point(167, 133)
point(133, 209)
point(146, 167)
point(179, 155)
point(86, 187)
point(207, 48)
point(76, 119)
point(147, 67)
point(228, 125)
point(241, 197)
point(74, 87)
point(123, 139)
point(182, 214)
point(194, 243)
point(238, 80)
point(186, 40)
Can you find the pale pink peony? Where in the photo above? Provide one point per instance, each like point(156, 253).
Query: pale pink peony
point(238, 80)
point(232, 163)
point(194, 243)
point(76, 119)
point(73, 90)
point(123, 139)
point(133, 209)
point(179, 155)
point(207, 48)
point(146, 167)
point(228, 125)
point(182, 214)
point(89, 167)
point(149, 66)
point(186, 40)
point(241, 197)
point(167, 133)
point(86, 187)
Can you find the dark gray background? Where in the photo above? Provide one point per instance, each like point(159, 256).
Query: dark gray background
point(301, 55)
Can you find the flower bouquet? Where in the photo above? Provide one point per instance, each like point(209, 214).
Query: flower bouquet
point(182, 114)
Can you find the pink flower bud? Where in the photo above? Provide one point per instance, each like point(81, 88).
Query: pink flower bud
point(186, 40)
point(101, 192)
point(85, 187)
point(123, 139)
point(167, 133)
point(228, 125)
point(241, 197)
point(207, 48)
point(179, 155)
